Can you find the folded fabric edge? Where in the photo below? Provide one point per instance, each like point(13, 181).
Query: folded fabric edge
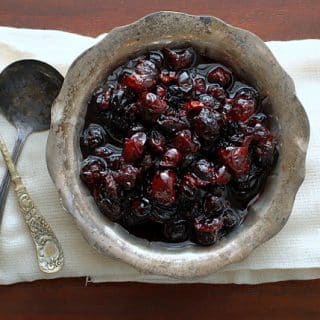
point(246, 277)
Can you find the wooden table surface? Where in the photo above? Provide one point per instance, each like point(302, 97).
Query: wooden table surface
point(70, 298)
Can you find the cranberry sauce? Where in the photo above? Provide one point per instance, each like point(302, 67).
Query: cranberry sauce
point(175, 147)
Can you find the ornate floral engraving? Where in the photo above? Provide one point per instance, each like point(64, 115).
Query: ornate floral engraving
point(49, 252)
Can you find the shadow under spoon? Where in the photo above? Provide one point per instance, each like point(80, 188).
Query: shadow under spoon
point(27, 91)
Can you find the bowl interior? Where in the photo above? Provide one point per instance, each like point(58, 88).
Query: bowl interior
point(250, 60)
point(219, 54)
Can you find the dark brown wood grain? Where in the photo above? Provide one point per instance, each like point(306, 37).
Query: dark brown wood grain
point(70, 298)
point(270, 19)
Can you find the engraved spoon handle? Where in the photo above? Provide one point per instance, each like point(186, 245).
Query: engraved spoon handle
point(48, 249)
point(5, 183)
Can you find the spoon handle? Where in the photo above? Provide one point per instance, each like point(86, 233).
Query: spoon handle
point(5, 183)
point(49, 251)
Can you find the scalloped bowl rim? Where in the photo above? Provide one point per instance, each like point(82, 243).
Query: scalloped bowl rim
point(110, 238)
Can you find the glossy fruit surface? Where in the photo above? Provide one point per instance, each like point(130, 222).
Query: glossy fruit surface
point(175, 147)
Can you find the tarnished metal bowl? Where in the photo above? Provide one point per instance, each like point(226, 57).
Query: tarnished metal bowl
point(249, 58)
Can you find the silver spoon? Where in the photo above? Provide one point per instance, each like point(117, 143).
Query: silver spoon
point(27, 91)
point(48, 249)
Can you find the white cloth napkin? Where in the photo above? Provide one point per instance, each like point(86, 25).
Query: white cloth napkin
point(293, 254)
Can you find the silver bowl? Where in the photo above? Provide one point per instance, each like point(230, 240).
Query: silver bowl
point(250, 59)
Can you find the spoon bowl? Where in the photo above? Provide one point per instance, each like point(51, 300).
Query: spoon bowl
point(27, 91)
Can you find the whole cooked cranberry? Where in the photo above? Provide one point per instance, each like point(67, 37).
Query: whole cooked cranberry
point(156, 142)
point(163, 187)
point(152, 103)
point(230, 218)
point(176, 230)
point(133, 148)
point(220, 76)
point(92, 169)
point(185, 142)
point(243, 107)
point(141, 207)
point(179, 59)
point(206, 124)
point(193, 107)
point(236, 159)
point(216, 91)
point(168, 76)
point(171, 158)
point(213, 205)
point(92, 137)
point(151, 107)
point(143, 77)
point(261, 133)
point(126, 176)
point(207, 230)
